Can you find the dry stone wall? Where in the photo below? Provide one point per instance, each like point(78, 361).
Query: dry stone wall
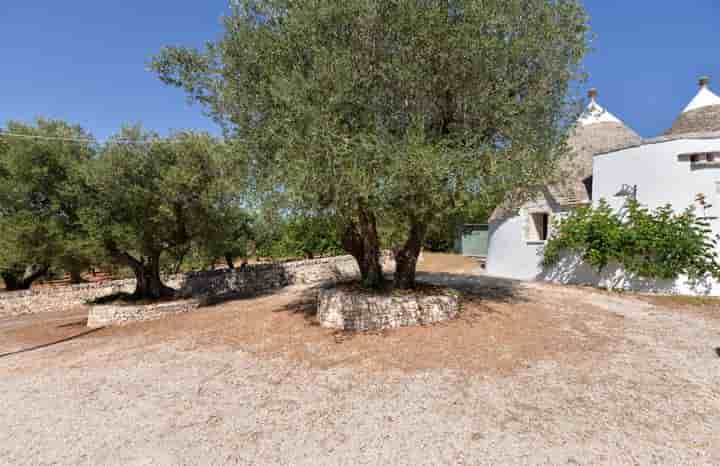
point(359, 311)
point(260, 278)
point(112, 314)
point(256, 278)
point(45, 299)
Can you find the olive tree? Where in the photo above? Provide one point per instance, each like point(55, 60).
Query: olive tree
point(153, 199)
point(385, 114)
point(41, 192)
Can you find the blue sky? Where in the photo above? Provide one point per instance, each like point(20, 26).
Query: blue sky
point(86, 61)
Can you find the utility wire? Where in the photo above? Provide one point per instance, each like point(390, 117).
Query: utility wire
point(82, 140)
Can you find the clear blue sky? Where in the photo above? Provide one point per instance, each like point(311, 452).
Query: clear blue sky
point(85, 61)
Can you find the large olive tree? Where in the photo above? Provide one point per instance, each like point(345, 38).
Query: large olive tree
point(386, 113)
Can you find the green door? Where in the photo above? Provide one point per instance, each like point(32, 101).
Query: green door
point(474, 240)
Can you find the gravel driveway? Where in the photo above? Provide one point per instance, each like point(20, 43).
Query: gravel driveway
point(533, 374)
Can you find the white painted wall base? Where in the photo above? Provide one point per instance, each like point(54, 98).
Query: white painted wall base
point(572, 271)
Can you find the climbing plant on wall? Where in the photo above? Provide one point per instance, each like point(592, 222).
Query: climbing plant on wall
point(654, 244)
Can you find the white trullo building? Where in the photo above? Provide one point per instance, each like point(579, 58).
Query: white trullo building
point(612, 162)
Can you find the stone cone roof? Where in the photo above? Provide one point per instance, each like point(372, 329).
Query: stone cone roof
point(585, 142)
point(597, 131)
point(702, 115)
point(701, 120)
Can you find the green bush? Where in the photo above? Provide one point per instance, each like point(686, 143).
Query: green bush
point(298, 236)
point(653, 244)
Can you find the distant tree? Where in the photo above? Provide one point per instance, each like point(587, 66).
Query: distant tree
point(153, 199)
point(228, 234)
point(383, 115)
point(41, 192)
point(299, 235)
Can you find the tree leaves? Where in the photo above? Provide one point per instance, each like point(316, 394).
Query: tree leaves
point(655, 244)
point(404, 106)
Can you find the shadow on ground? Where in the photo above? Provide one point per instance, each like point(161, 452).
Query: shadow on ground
point(53, 343)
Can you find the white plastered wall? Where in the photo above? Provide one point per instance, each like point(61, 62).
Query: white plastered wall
point(659, 173)
point(513, 252)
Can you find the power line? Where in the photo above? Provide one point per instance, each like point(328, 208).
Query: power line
point(83, 140)
point(52, 138)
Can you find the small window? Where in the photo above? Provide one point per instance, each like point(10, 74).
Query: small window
point(702, 159)
point(539, 226)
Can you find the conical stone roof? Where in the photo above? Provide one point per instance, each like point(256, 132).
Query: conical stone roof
point(596, 131)
point(702, 114)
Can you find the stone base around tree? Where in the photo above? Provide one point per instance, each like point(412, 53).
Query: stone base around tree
point(102, 315)
point(358, 311)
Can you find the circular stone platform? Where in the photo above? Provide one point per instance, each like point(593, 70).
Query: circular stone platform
point(354, 310)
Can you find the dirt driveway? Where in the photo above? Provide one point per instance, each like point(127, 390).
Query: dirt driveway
point(531, 374)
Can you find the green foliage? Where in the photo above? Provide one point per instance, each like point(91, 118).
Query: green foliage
point(228, 235)
point(300, 236)
point(654, 244)
point(390, 113)
point(41, 193)
point(157, 199)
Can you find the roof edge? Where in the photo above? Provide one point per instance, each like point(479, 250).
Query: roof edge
point(665, 138)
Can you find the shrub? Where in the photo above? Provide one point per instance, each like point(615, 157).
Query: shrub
point(653, 244)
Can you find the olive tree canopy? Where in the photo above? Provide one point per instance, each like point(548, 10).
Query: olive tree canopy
point(41, 193)
point(152, 200)
point(386, 113)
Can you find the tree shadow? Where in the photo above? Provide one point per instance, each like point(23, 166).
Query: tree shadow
point(477, 288)
point(306, 303)
point(79, 323)
point(213, 300)
point(57, 342)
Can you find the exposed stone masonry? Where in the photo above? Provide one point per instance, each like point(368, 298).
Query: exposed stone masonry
point(110, 314)
point(359, 311)
point(194, 287)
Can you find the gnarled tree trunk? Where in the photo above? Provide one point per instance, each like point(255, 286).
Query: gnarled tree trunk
point(406, 257)
point(16, 280)
point(76, 275)
point(148, 284)
point(361, 240)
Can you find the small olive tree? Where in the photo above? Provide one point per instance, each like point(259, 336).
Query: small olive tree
point(383, 115)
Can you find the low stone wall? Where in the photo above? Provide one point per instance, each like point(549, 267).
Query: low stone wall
point(60, 298)
point(359, 311)
point(113, 314)
point(261, 278)
point(256, 278)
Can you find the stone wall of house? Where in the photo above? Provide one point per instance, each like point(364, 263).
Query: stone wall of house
point(254, 279)
point(358, 311)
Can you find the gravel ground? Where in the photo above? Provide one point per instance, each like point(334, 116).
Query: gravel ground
point(533, 374)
